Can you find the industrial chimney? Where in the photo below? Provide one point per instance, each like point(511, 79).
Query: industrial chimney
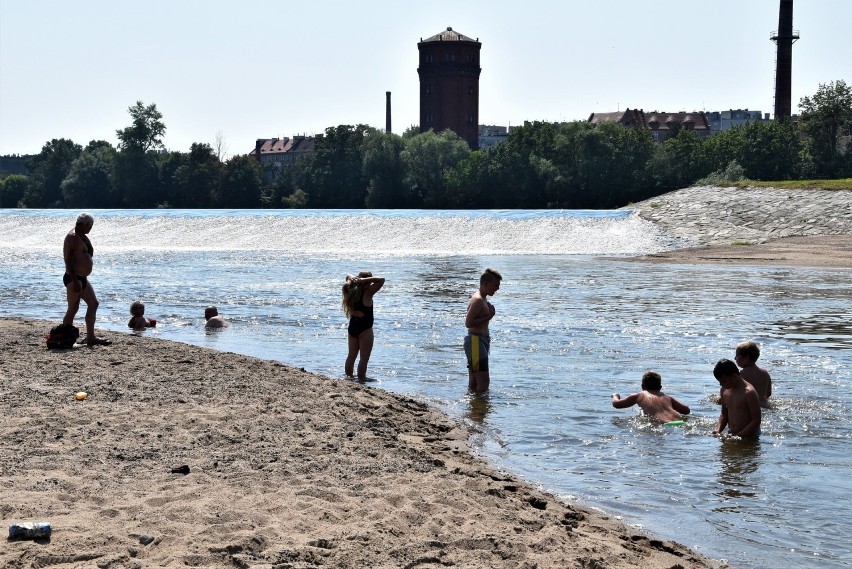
point(784, 38)
point(387, 112)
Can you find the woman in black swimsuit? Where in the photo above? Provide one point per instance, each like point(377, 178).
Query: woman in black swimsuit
point(358, 305)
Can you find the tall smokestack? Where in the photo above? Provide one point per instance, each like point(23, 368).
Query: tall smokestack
point(784, 38)
point(387, 112)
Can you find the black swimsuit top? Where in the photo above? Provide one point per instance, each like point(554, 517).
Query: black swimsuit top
point(367, 311)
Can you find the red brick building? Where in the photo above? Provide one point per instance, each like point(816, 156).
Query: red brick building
point(449, 84)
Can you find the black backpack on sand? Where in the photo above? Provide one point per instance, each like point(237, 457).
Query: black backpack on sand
point(62, 337)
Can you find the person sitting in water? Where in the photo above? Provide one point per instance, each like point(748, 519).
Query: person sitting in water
point(211, 315)
point(138, 320)
point(653, 402)
point(746, 357)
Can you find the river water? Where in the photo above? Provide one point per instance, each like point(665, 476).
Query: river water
point(571, 328)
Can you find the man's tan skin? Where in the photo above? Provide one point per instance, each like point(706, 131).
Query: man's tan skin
point(479, 314)
point(653, 402)
point(740, 402)
point(212, 318)
point(746, 357)
point(77, 251)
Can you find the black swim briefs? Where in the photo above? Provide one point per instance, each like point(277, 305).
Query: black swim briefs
point(66, 278)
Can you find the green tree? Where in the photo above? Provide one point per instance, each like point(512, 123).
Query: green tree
point(146, 131)
point(89, 184)
point(241, 183)
point(197, 180)
point(334, 176)
point(166, 192)
point(383, 168)
point(137, 169)
point(12, 190)
point(137, 179)
point(607, 168)
point(825, 117)
point(770, 151)
point(523, 168)
point(471, 181)
point(678, 162)
point(49, 169)
point(428, 159)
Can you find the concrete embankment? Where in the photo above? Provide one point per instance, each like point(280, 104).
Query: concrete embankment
point(754, 226)
point(709, 215)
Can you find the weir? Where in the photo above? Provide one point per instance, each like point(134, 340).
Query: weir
point(374, 233)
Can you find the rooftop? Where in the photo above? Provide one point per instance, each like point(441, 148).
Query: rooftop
point(449, 35)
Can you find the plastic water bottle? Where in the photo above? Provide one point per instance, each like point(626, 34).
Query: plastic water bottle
point(29, 530)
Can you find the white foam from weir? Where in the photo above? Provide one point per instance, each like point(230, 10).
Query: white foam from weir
point(338, 232)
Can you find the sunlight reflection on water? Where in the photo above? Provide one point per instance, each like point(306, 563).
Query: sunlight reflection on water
point(569, 330)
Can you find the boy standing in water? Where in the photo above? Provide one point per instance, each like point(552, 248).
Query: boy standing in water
point(746, 357)
point(477, 343)
point(740, 402)
point(653, 402)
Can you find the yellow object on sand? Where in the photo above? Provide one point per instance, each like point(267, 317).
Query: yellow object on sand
point(80, 395)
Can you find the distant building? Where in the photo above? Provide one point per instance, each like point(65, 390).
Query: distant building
point(275, 153)
point(662, 125)
point(725, 120)
point(449, 84)
point(491, 135)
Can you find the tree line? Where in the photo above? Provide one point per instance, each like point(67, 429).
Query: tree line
point(540, 165)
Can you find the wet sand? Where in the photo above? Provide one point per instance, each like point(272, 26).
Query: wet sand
point(183, 456)
point(823, 251)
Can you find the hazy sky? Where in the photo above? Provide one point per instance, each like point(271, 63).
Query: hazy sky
point(71, 69)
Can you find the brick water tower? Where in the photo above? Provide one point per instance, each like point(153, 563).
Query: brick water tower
point(449, 84)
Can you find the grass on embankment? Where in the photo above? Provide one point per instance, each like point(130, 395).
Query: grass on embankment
point(841, 184)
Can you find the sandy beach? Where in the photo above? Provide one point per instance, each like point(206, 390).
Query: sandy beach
point(182, 456)
point(824, 251)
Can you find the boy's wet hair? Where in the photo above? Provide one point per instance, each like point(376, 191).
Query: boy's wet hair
point(489, 276)
point(749, 349)
point(724, 368)
point(652, 380)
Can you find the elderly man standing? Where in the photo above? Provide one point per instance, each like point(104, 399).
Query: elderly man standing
point(78, 252)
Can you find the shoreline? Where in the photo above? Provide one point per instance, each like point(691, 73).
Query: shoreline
point(286, 469)
point(817, 251)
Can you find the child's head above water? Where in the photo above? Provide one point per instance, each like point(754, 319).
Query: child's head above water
point(748, 349)
point(137, 308)
point(725, 368)
point(652, 381)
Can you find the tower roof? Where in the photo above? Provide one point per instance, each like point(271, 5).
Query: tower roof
point(449, 35)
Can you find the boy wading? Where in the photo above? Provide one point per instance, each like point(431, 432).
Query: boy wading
point(477, 343)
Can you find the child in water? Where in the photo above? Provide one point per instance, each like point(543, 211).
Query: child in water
point(653, 402)
point(740, 402)
point(137, 320)
point(746, 357)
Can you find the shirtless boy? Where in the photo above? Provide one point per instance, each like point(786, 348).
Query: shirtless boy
point(740, 402)
point(746, 357)
point(212, 318)
point(77, 251)
point(477, 343)
point(653, 402)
